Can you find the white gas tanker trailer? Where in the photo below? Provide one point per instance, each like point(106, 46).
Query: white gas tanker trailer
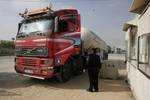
point(90, 40)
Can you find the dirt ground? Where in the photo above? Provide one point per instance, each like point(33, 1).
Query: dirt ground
point(22, 88)
point(16, 87)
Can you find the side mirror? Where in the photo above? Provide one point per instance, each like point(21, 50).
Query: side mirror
point(13, 39)
point(56, 24)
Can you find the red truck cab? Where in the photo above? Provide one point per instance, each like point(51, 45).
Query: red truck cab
point(48, 44)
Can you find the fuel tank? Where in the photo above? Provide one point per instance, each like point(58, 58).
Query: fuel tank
point(91, 40)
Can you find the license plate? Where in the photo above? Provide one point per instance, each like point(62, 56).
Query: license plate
point(28, 71)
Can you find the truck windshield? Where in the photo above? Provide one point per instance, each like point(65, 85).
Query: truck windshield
point(37, 27)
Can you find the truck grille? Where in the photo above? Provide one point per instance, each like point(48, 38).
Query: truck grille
point(36, 52)
point(29, 62)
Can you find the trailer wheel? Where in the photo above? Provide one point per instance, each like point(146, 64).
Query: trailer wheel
point(65, 72)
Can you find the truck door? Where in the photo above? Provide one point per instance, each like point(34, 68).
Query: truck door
point(66, 24)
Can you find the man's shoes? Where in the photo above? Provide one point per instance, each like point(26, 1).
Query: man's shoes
point(96, 91)
point(89, 90)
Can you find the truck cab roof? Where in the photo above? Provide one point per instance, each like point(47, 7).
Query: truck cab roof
point(50, 11)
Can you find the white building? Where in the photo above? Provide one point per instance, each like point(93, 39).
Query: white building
point(138, 49)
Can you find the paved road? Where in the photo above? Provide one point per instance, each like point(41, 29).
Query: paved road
point(7, 64)
point(16, 87)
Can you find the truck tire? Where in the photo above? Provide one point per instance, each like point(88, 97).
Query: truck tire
point(79, 67)
point(65, 72)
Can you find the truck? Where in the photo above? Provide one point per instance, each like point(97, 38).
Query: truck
point(49, 44)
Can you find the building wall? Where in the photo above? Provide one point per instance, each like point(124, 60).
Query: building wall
point(140, 83)
point(144, 23)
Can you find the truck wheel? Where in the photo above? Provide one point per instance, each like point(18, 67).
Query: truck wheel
point(65, 72)
point(80, 67)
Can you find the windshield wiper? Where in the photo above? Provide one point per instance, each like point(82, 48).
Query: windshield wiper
point(39, 33)
point(21, 35)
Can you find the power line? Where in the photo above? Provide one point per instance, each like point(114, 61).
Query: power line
point(50, 0)
point(24, 1)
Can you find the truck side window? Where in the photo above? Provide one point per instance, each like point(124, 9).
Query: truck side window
point(67, 24)
point(63, 26)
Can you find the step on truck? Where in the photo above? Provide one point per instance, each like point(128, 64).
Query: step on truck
point(48, 43)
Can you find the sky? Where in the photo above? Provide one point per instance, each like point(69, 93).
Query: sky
point(104, 17)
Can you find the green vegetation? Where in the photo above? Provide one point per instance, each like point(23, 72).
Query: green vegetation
point(6, 48)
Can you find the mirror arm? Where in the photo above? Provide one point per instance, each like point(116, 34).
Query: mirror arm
point(19, 26)
point(56, 24)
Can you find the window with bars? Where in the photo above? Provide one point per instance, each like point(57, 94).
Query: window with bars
point(144, 54)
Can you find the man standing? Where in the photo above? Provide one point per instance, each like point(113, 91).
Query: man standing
point(94, 65)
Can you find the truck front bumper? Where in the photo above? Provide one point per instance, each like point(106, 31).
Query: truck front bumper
point(38, 73)
point(32, 67)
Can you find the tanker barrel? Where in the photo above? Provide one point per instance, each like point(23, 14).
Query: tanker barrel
point(91, 40)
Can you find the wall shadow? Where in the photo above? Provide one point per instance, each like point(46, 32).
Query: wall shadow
point(119, 85)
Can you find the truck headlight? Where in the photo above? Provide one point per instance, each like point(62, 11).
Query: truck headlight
point(46, 62)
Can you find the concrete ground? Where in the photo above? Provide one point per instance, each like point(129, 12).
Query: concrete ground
point(16, 87)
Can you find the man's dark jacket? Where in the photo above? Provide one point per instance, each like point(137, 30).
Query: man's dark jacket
point(94, 62)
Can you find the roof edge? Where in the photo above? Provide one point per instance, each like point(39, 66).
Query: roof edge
point(138, 6)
